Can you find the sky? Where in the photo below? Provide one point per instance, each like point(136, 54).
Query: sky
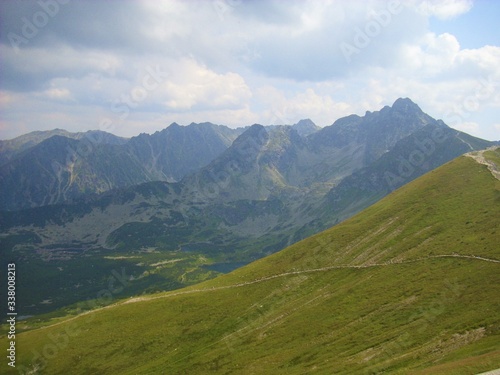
point(130, 67)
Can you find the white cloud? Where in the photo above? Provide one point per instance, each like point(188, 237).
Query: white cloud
point(467, 127)
point(484, 61)
point(439, 57)
point(34, 68)
point(238, 62)
point(6, 98)
point(321, 108)
point(443, 9)
point(57, 93)
point(193, 85)
point(431, 55)
point(279, 109)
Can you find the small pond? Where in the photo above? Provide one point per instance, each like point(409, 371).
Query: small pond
point(225, 267)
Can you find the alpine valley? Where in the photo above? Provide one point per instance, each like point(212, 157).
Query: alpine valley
point(409, 285)
point(94, 218)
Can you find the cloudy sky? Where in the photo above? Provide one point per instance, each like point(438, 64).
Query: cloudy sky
point(129, 67)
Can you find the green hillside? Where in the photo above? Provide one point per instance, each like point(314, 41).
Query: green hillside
point(410, 285)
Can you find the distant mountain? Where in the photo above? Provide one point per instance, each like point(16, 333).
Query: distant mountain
point(253, 167)
point(269, 188)
point(276, 160)
point(409, 285)
point(301, 157)
point(375, 133)
point(306, 127)
point(424, 150)
point(177, 151)
point(61, 169)
point(11, 148)
point(45, 168)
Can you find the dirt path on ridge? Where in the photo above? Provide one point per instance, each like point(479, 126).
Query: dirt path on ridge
point(479, 157)
point(263, 279)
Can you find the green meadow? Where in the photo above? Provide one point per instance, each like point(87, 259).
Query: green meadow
point(410, 285)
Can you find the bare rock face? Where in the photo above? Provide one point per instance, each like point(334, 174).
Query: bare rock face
point(54, 167)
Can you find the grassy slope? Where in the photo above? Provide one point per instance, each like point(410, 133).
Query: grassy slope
point(365, 296)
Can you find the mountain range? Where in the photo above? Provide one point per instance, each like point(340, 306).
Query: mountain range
point(203, 198)
point(408, 286)
point(54, 167)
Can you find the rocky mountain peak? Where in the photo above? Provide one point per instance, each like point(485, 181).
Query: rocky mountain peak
point(255, 135)
point(405, 105)
point(306, 127)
